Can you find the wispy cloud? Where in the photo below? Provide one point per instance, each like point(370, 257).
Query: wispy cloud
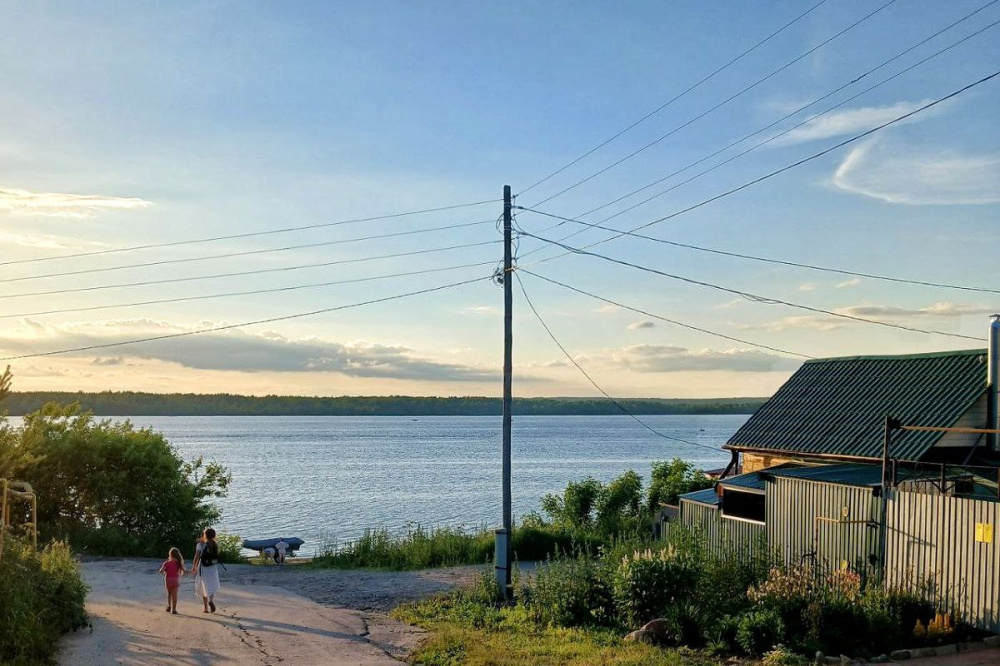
point(488, 310)
point(808, 286)
point(48, 241)
point(238, 351)
point(848, 284)
point(666, 358)
point(635, 326)
point(848, 121)
point(942, 310)
point(875, 170)
point(17, 201)
point(606, 309)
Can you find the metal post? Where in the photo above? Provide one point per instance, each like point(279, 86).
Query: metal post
point(508, 343)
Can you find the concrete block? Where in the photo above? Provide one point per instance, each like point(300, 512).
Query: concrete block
point(992, 641)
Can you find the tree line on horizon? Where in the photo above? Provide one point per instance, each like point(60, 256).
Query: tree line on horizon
point(132, 403)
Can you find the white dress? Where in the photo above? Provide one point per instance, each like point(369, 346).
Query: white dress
point(206, 583)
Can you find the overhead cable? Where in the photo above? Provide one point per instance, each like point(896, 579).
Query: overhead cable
point(259, 271)
point(756, 298)
point(720, 104)
point(246, 253)
point(783, 262)
point(270, 290)
point(676, 97)
point(803, 108)
point(250, 234)
point(662, 318)
point(793, 165)
point(227, 327)
point(594, 383)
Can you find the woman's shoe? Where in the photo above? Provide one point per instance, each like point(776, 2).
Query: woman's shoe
point(211, 604)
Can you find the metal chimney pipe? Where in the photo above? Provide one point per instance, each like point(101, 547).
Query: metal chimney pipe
point(993, 379)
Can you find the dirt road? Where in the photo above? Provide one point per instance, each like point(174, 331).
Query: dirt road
point(266, 615)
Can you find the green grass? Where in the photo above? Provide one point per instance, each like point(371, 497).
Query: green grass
point(465, 630)
point(420, 548)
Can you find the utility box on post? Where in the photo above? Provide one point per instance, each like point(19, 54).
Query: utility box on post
point(500, 564)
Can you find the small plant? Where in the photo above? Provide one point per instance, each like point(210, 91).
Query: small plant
point(759, 630)
point(571, 591)
point(938, 628)
point(782, 656)
point(230, 548)
point(650, 581)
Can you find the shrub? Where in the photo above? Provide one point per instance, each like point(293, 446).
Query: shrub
point(575, 508)
point(41, 597)
point(144, 500)
point(571, 591)
point(672, 479)
point(759, 630)
point(230, 548)
point(646, 583)
point(782, 656)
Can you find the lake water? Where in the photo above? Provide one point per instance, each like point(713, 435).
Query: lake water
point(326, 479)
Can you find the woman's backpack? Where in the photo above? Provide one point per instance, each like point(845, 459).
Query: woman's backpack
point(209, 554)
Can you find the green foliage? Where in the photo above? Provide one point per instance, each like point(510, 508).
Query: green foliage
point(571, 591)
point(230, 548)
point(41, 597)
point(782, 656)
point(417, 548)
point(647, 583)
point(672, 479)
point(110, 488)
point(575, 508)
point(759, 630)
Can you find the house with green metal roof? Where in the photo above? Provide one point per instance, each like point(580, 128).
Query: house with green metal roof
point(880, 463)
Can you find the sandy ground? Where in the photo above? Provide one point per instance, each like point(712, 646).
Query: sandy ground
point(266, 615)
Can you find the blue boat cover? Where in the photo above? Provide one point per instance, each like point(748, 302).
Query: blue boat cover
point(294, 543)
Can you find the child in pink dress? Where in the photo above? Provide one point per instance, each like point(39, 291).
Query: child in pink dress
point(172, 571)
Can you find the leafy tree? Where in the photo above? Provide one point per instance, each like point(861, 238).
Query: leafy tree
point(575, 508)
point(111, 487)
point(619, 505)
point(672, 479)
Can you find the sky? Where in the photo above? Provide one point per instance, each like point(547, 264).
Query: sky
point(125, 124)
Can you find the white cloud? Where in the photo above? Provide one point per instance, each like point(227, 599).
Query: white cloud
point(730, 304)
point(874, 170)
point(808, 286)
point(237, 350)
point(635, 326)
point(488, 310)
point(17, 201)
point(606, 309)
point(942, 310)
point(847, 284)
point(48, 241)
point(848, 121)
point(666, 358)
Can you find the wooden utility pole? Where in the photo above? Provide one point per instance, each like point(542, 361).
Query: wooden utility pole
point(508, 343)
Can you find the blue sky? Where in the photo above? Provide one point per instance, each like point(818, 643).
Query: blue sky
point(135, 123)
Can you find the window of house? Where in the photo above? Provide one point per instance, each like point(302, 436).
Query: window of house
point(739, 504)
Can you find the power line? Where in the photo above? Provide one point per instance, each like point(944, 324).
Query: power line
point(269, 290)
point(259, 271)
point(793, 165)
point(675, 97)
point(757, 298)
point(250, 234)
point(591, 379)
point(803, 108)
point(662, 318)
point(783, 262)
point(227, 327)
point(722, 103)
point(229, 255)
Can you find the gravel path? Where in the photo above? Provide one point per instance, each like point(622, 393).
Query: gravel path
point(266, 615)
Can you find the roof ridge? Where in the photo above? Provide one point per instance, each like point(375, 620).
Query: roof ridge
point(901, 357)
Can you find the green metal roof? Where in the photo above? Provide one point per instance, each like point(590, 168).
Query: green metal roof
point(845, 474)
point(748, 481)
point(837, 406)
point(707, 496)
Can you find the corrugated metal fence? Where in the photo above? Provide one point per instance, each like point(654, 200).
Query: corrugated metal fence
point(953, 542)
point(721, 533)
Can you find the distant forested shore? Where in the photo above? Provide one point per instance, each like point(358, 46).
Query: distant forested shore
point(128, 403)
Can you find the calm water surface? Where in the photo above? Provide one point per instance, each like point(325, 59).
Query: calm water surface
point(325, 479)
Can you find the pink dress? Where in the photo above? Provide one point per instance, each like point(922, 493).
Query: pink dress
point(172, 574)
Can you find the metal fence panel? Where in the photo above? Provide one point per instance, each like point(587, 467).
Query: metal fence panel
point(721, 533)
point(952, 542)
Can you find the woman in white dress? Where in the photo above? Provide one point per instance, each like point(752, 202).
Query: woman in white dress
point(206, 569)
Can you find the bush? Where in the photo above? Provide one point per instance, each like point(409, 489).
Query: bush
point(672, 479)
point(759, 630)
point(646, 583)
point(782, 656)
point(144, 499)
point(571, 592)
point(41, 598)
point(230, 548)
